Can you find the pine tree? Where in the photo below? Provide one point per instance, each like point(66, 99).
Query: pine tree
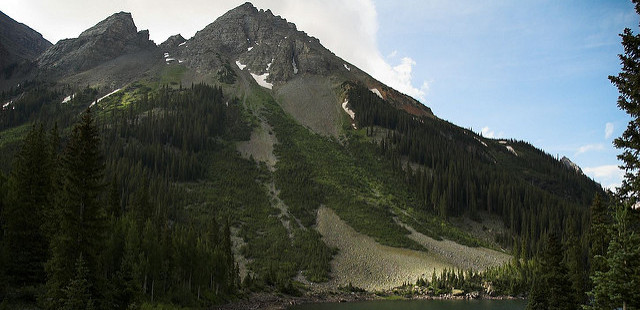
point(538, 296)
point(598, 235)
point(77, 293)
point(617, 287)
point(561, 295)
point(81, 217)
point(628, 84)
point(552, 288)
point(3, 258)
point(616, 275)
point(28, 196)
point(3, 197)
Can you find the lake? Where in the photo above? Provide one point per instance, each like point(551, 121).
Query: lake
point(419, 305)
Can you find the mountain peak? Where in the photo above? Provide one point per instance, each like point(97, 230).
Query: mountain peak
point(172, 42)
point(570, 165)
point(119, 23)
point(247, 6)
point(111, 38)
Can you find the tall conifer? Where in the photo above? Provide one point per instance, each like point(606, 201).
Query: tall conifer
point(628, 84)
point(29, 189)
point(80, 214)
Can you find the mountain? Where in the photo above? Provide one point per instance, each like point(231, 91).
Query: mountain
point(285, 59)
point(113, 38)
point(19, 45)
point(250, 151)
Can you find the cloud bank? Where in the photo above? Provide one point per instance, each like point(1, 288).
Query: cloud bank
point(610, 176)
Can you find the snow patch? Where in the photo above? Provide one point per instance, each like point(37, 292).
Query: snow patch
point(180, 61)
point(262, 80)
point(68, 98)
point(183, 43)
point(105, 96)
point(510, 149)
point(502, 142)
point(169, 60)
point(269, 64)
point(7, 104)
point(347, 67)
point(351, 113)
point(241, 66)
point(166, 55)
point(295, 67)
point(377, 92)
point(249, 49)
point(481, 142)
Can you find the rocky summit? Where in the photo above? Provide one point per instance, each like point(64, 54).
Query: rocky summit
point(113, 37)
point(262, 42)
point(299, 70)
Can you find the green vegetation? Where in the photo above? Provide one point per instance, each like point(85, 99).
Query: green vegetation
point(449, 172)
point(171, 75)
point(112, 243)
point(226, 74)
point(314, 170)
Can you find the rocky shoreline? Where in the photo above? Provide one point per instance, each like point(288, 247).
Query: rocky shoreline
point(282, 302)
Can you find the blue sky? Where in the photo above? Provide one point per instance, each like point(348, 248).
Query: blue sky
point(529, 70)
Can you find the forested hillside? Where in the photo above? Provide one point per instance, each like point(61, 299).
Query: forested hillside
point(453, 172)
point(168, 192)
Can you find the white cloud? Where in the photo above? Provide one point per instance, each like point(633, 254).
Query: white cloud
point(348, 28)
point(608, 130)
point(425, 87)
point(611, 175)
point(488, 133)
point(604, 171)
point(393, 54)
point(589, 147)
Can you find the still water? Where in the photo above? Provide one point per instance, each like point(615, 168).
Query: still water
point(419, 305)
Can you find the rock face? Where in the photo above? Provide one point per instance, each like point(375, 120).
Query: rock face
point(263, 42)
point(113, 37)
point(276, 52)
point(570, 165)
point(172, 42)
point(19, 44)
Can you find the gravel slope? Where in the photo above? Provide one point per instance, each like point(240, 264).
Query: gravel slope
point(260, 146)
point(372, 266)
point(458, 255)
point(368, 264)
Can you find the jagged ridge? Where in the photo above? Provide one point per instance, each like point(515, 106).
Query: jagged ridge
point(115, 36)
